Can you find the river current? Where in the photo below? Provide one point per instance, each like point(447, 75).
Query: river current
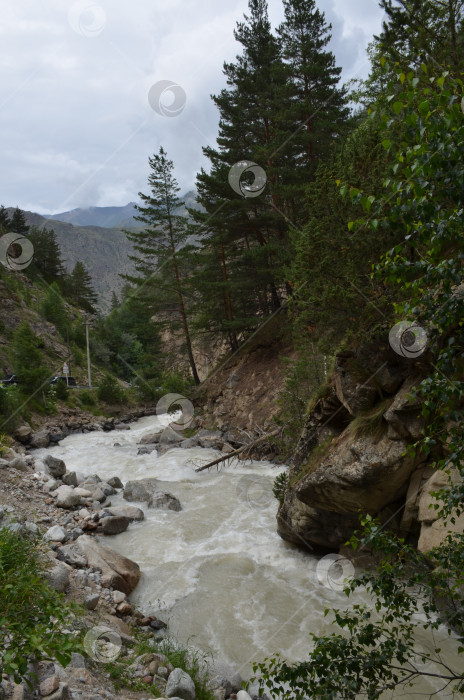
point(216, 571)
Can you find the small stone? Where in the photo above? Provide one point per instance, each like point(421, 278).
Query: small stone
point(124, 608)
point(115, 482)
point(56, 467)
point(91, 601)
point(180, 685)
point(158, 625)
point(118, 597)
point(55, 534)
point(147, 679)
point(70, 479)
point(49, 685)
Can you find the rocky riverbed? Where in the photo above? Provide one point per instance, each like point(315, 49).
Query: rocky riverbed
point(74, 515)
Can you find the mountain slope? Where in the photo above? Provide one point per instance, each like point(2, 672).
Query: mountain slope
point(104, 251)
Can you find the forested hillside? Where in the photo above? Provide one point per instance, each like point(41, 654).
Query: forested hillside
point(313, 300)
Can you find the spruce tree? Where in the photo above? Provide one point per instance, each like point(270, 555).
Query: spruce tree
point(316, 104)
point(18, 222)
point(47, 261)
point(159, 247)
point(81, 289)
point(5, 223)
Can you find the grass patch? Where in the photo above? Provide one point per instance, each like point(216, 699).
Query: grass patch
point(191, 660)
point(370, 423)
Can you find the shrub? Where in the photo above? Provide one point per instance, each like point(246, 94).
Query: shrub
point(61, 391)
point(87, 399)
point(27, 602)
point(280, 485)
point(110, 392)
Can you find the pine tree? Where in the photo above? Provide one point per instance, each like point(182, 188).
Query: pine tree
point(114, 301)
point(316, 104)
point(81, 289)
point(159, 246)
point(47, 260)
point(18, 222)
point(5, 223)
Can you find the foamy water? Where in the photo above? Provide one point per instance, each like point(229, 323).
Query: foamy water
point(216, 571)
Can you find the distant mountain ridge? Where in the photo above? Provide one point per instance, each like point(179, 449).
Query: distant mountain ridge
point(92, 236)
point(104, 217)
point(113, 217)
point(104, 252)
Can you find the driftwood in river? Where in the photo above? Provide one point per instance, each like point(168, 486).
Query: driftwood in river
point(240, 450)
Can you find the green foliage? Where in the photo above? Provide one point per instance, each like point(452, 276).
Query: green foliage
point(422, 203)
point(371, 422)
point(27, 603)
point(188, 658)
point(61, 391)
point(10, 408)
point(86, 398)
point(53, 309)
point(27, 364)
point(79, 288)
point(280, 485)
point(110, 391)
point(161, 248)
point(303, 377)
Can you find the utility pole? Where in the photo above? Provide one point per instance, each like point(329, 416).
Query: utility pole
point(88, 352)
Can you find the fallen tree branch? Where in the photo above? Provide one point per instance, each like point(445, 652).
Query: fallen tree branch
point(238, 451)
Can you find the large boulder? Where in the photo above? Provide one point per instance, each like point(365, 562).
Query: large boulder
point(58, 576)
point(72, 555)
point(169, 436)
point(66, 497)
point(130, 512)
point(309, 527)
point(150, 439)
point(23, 433)
point(115, 482)
point(210, 438)
point(118, 572)
point(353, 389)
point(404, 418)
point(433, 528)
point(140, 490)
point(164, 501)
point(114, 524)
point(358, 474)
point(40, 439)
point(56, 467)
point(180, 685)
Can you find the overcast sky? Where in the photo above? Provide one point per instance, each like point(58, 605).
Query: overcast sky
point(76, 125)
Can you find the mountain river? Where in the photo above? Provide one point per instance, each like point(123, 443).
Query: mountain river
point(216, 571)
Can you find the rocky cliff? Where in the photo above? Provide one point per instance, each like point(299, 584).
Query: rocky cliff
point(352, 457)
